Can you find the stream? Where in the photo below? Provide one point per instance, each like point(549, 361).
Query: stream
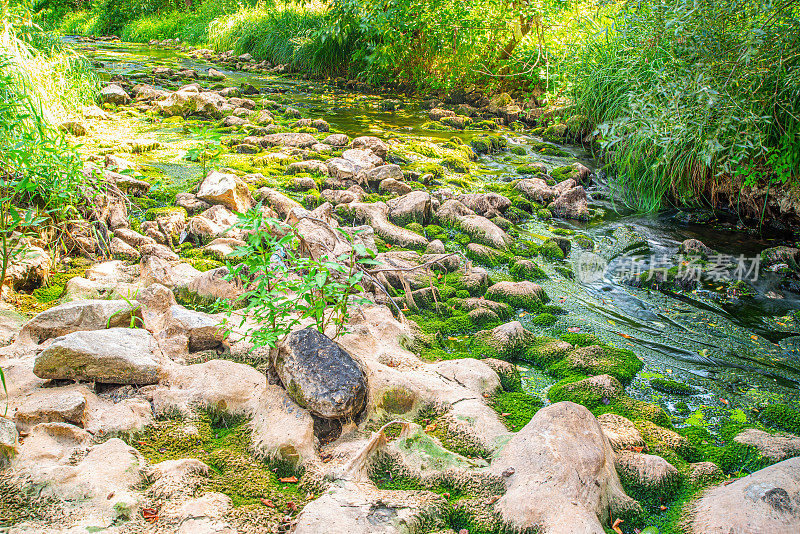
point(737, 350)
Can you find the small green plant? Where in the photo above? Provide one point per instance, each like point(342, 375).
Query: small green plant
point(131, 309)
point(285, 287)
point(207, 150)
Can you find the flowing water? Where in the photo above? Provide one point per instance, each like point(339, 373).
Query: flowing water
point(738, 350)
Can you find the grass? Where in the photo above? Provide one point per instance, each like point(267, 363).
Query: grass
point(684, 94)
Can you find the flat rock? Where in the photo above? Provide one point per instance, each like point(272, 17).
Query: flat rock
point(776, 447)
point(363, 509)
point(91, 314)
point(116, 356)
point(51, 405)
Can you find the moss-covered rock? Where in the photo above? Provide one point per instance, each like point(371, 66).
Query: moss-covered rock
point(526, 295)
point(589, 392)
point(153, 213)
point(525, 269)
point(599, 359)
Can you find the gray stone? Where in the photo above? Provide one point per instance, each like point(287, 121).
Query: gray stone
point(114, 94)
point(116, 356)
point(776, 447)
point(766, 501)
point(80, 315)
point(226, 189)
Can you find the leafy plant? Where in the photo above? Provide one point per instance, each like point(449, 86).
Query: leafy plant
point(129, 300)
point(285, 287)
point(207, 150)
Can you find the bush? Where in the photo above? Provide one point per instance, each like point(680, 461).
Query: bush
point(712, 74)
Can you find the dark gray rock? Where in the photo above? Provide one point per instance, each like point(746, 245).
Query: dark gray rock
point(320, 375)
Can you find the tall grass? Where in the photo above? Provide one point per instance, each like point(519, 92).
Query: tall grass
point(41, 84)
point(686, 93)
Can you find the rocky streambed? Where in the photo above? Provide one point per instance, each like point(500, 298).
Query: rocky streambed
point(532, 357)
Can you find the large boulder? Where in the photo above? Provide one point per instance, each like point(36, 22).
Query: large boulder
point(91, 314)
point(375, 145)
point(114, 94)
point(415, 206)
point(226, 189)
point(116, 356)
point(766, 501)
point(320, 375)
point(563, 478)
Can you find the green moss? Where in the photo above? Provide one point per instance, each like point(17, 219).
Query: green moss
point(781, 416)
point(203, 264)
point(524, 269)
point(544, 214)
point(635, 410)
point(52, 291)
point(528, 169)
point(579, 339)
point(398, 400)
point(455, 165)
point(222, 442)
point(565, 390)
point(672, 387)
point(544, 319)
point(416, 228)
point(515, 214)
point(518, 150)
point(550, 250)
point(555, 133)
point(622, 364)
point(520, 406)
point(152, 213)
point(488, 256)
point(584, 242)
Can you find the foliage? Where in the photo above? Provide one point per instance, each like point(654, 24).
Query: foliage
point(207, 150)
point(40, 173)
point(685, 92)
point(284, 287)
